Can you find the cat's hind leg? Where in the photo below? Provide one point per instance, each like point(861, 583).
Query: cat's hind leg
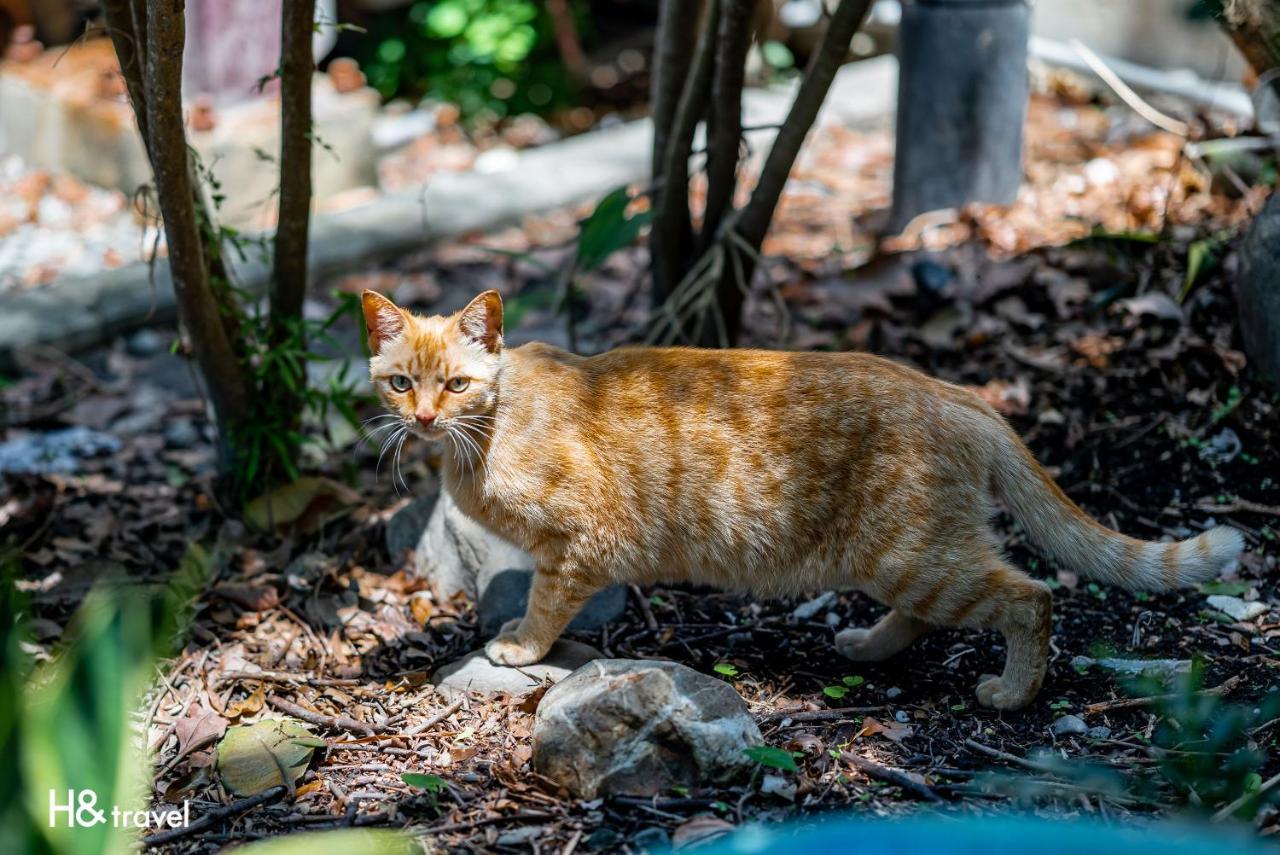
point(892, 634)
point(997, 596)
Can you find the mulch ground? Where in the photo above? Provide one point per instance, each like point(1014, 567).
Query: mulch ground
point(1143, 405)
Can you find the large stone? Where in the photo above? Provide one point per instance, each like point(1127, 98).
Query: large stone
point(1258, 291)
point(619, 726)
point(505, 595)
point(459, 555)
point(475, 673)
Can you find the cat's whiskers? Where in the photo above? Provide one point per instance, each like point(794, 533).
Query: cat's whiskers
point(395, 471)
point(401, 432)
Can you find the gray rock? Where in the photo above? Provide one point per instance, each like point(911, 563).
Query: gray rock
point(1070, 725)
point(618, 726)
point(58, 451)
point(1099, 732)
point(1238, 609)
point(651, 840)
point(457, 554)
point(180, 433)
point(1136, 667)
point(406, 525)
point(144, 343)
point(1258, 291)
point(475, 673)
point(507, 594)
point(807, 611)
point(892, 692)
point(604, 838)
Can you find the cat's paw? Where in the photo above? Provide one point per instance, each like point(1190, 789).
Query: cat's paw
point(855, 644)
point(509, 649)
point(993, 693)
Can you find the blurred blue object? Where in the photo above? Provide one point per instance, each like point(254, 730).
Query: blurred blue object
point(943, 835)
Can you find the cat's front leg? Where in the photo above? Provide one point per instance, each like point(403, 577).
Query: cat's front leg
point(554, 598)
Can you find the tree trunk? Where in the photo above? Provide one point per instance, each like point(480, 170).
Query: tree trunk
point(752, 223)
point(166, 144)
point(724, 133)
point(289, 283)
point(1254, 26)
point(671, 237)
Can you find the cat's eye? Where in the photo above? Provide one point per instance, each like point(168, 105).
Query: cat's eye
point(457, 384)
point(400, 383)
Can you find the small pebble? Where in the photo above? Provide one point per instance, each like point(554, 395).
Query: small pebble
point(892, 692)
point(651, 840)
point(144, 343)
point(901, 715)
point(1099, 732)
point(1070, 725)
point(180, 433)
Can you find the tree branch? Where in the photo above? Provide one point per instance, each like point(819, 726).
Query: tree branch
point(289, 283)
point(724, 131)
point(758, 212)
point(672, 56)
point(671, 238)
point(175, 189)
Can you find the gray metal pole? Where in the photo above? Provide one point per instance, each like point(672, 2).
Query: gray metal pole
point(962, 101)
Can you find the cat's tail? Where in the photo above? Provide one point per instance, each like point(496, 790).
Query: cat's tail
point(1079, 542)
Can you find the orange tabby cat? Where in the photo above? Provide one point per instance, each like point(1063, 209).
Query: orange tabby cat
point(770, 472)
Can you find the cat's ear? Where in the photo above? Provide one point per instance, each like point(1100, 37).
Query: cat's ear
point(481, 321)
point(383, 319)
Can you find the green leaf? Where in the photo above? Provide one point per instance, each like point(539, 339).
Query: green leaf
point(417, 780)
point(836, 692)
point(1228, 587)
point(772, 758)
point(853, 682)
point(608, 229)
point(725, 668)
point(1202, 256)
point(777, 55)
point(302, 505)
point(257, 757)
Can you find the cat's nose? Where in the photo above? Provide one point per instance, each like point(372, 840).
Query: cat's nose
point(426, 419)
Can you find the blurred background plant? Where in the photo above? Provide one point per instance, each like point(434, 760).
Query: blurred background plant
point(492, 58)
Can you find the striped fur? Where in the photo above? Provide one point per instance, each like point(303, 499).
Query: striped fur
point(774, 473)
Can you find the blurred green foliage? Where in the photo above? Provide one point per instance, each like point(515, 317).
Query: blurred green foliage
point(492, 58)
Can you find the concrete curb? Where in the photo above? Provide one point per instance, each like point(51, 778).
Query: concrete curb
point(74, 313)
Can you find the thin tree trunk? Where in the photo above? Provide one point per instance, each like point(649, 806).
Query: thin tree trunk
point(752, 222)
point(167, 145)
point(822, 68)
point(129, 39)
point(289, 283)
point(1254, 26)
point(672, 57)
point(724, 131)
point(671, 237)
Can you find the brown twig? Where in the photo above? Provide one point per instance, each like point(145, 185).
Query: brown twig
point(1227, 687)
point(645, 609)
point(435, 719)
point(340, 722)
point(819, 715)
point(1010, 758)
point(285, 677)
point(897, 777)
point(522, 816)
point(213, 816)
point(1240, 505)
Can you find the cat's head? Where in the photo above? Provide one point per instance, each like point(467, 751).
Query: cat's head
point(439, 373)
